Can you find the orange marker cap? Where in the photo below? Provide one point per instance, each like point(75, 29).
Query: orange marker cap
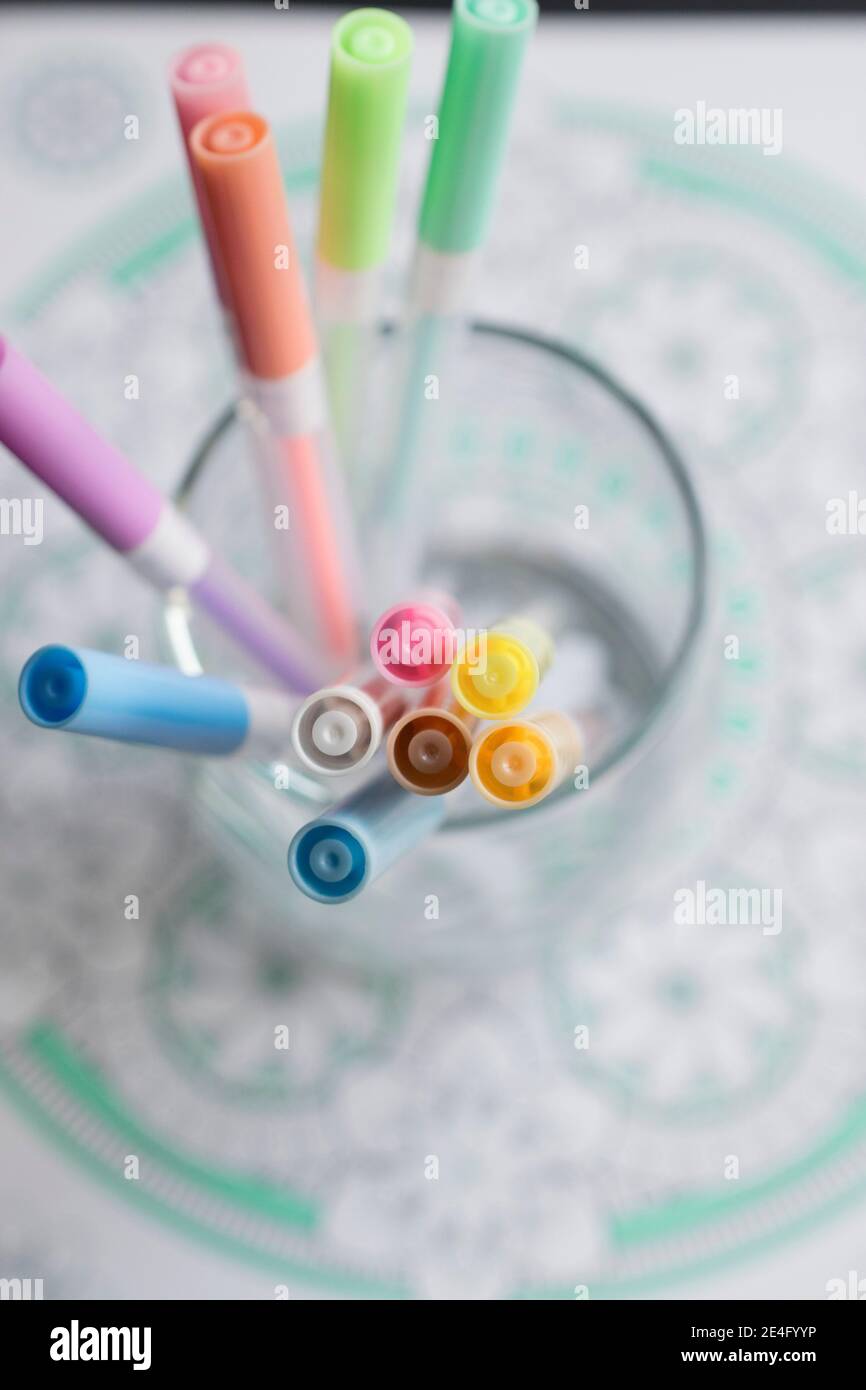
point(517, 764)
point(235, 154)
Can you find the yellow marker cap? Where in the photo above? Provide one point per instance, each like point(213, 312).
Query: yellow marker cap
point(518, 764)
point(500, 680)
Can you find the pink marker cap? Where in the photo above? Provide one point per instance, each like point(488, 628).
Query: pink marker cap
point(205, 81)
point(60, 447)
point(407, 633)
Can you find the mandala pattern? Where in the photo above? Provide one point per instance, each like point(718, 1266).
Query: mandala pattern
point(444, 1135)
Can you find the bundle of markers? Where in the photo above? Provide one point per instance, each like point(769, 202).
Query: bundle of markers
point(436, 702)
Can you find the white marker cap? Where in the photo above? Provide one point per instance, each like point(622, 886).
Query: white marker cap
point(337, 729)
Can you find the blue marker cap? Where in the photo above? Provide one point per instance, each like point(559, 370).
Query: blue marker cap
point(331, 859)
point(88, 692)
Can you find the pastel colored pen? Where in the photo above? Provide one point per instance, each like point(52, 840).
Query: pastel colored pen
point(206, 80)
point(415, 643)
point(371, 52)
point(90, 692)
point(489, 39)
point(281, 377)
point(339, 728)
point(515, 765)
point(123, 507)
point(429, 746)
point(333, 858)
point(497, 676)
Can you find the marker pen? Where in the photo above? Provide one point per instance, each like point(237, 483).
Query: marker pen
point(429, 746)
point(206, 80)
point(518, 764)
point(51, 439)
point(489, 39)
point(414, 643)
point(281, 378)
point(90, 692)
point(371, 51)
point(500, 678)
point(338, 729)
point(333, 858)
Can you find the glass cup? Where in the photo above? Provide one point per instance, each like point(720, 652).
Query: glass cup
point(540, 481)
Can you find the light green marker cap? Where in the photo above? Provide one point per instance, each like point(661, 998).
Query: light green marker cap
point(370, 55)
point(488, 41)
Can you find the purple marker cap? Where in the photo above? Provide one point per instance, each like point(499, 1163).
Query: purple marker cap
point(54, 442)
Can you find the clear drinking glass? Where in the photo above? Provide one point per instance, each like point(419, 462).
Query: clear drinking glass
point(540, 479)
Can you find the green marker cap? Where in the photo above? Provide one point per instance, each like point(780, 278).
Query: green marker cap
point(370, 56)
point(488, 40)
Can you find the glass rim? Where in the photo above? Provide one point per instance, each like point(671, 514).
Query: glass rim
point(674, 671)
